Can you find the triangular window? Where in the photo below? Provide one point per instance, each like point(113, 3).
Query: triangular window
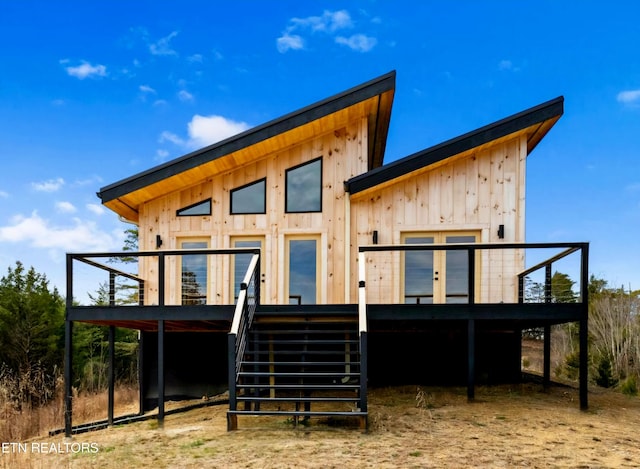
point(200, 208)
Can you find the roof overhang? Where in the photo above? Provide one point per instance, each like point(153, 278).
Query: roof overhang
point(534, 123)
point(372, 100)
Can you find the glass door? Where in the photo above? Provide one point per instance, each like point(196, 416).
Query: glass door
point(240, 262)
point(436, 276)
point(302, 270)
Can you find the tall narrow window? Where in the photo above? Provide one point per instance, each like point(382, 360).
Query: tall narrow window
point(303, 264)
point(200, 208)
point(194, 274)
point(304, 187)
point(249, 199)
point(240, 262)
point(418, 272)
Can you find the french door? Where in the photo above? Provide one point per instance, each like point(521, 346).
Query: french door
point(433, 277)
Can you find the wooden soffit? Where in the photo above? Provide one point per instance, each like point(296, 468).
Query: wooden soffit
point(372, 100)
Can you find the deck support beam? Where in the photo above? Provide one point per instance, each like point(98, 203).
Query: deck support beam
point(160, 373)
point(68, 378)
point(546, 366)
point(471, 359)
point(112, 374)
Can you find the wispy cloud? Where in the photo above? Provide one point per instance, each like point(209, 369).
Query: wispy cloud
point(161, 155)
point(52, 185)
point(629, 97)
point(195, 58)
point(203, 131)
point(289, 42)
point(96, 209)
point(146, 89)
point(40, 233)
point(330, 23)
point(358, 42)
point(507, 66)
point(85, 70)
point(65, 207)
point(163, 46)
point(4, 195)
point(185, 96)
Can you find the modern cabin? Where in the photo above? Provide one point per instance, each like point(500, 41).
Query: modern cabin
point(293, 267)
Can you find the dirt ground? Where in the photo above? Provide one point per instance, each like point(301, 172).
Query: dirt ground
point(507, 426)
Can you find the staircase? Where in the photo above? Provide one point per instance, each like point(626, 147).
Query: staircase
point(301, 362)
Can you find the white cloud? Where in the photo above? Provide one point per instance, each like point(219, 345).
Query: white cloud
point(159, 102)
point(4, 195)
point(163, 45)
point(39, 233)
point(205, 130)
point(185, 96)
point(146, 89)
point(167, 136)
point(195, 58)
point(65, 207)
point(161, 155)
point(358, 42)
point(96, 209)
point(52, 185)
point(329, 23)
point(86, 70)
point(58, 102)
point(629, 97)
point(287, 41)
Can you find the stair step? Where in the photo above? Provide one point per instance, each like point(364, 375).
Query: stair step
point(306, 352)
point(306, 341)
point(311, 387)
point(299, 363)
point(297, 399)
point(300, 374)
point(300, 413)
point(264, 331)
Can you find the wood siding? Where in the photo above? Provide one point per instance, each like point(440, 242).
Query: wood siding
point(473, 192)
point(344, 155)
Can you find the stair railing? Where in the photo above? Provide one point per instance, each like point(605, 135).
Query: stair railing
point(248, 300)
point(362, 329)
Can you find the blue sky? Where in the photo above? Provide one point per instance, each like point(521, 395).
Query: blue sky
point(93, 92)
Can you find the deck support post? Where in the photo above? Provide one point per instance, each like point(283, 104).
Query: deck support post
point(160, 373)
point(112, 374)
point(546, 367)
point(68, 378)
point(141, 390)
point(584, 327)
point(471, 359)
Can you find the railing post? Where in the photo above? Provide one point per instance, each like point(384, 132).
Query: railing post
point(471, 359)
point(472, 275)
point(232, 422)
point(68, 344)
point(161, 327)
point(584, 328)
point(547, 283)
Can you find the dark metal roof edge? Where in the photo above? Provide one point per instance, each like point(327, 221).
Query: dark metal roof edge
point(454, 146)
point(252, 136)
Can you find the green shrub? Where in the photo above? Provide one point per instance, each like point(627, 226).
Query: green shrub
point(629, 386)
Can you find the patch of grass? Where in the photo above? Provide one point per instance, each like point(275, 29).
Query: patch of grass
point(415, 454)
point(193, 444)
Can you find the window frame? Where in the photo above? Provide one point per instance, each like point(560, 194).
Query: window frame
point(180, 211)
point(245, 186)
point(286, 186)
point(180, 265)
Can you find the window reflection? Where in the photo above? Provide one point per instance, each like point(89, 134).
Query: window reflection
point(249, 198)
point(304, 187)
point(302, 271)
point(418, 273)
point(194, 274)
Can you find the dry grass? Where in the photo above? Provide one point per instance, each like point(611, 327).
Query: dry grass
point(17, 426)
point(507, 426)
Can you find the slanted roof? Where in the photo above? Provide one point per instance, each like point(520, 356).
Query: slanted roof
point(534, 123)
point(372, 99)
